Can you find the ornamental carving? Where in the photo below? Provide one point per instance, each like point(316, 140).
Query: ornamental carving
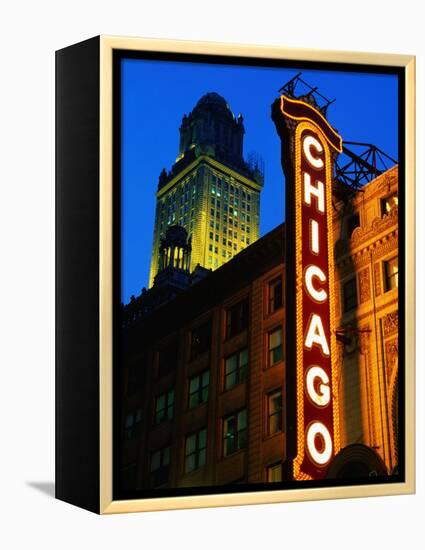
point(363, 342)
point(390, 323)
point(378, 289)
point(364, 284)
point(391, 354)
point(379, 225)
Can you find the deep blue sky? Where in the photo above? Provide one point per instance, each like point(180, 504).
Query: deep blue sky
point(156, 94)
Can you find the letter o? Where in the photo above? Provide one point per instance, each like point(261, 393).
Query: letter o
point(320, 457)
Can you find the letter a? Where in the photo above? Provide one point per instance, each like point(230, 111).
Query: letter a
point(316, 334)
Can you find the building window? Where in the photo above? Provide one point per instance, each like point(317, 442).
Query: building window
point(275, 295)
point(198, 389)
point(274, 473)
point(234, 433)
point(237, 318)
point(159, 466)
point(350, 294)
point(164, 407)
point(388, 204)
point(391, 274)
point(167, 359)
point(195, 451)
point(275, 348)
point(235, 369)
point(352, 222)
point(274, 412)
point(200, 339)
point(132, 422)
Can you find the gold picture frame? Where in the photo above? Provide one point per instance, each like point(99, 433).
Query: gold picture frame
point(103, 48)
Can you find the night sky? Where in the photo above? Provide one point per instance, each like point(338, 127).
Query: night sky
point(156, 95)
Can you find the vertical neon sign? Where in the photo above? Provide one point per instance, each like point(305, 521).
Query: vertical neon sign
point(309, 147)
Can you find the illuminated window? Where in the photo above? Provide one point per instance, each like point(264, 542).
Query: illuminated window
point(391, 274)
point(389, 203)
point(201, 338)
point(131, 424)
point(164, 407)
point(350, 294)
point(234, 433)
point(274, 412)
point(160, 466)
point(235, 368)
point(274, 473)
point(352, 223)
point(275, 295)
point(198, 389)
point(195, 451)
point(237, 318)
point(275, 347)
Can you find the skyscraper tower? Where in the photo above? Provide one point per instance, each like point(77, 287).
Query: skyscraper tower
point(211, 190)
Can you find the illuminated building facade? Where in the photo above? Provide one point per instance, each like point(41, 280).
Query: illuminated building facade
point(204, 387)
point(211, 190)
point(366, 279)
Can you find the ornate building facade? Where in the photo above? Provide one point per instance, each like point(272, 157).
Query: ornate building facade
point(204, 377)
point(366, 278)
point(211, 190)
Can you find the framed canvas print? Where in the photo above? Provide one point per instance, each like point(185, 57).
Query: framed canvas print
point(235, 274)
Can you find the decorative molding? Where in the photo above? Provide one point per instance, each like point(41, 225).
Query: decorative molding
point(390, 323)
point(363, 341)
point(364, 285)
point(377, 269)
point(391, 355)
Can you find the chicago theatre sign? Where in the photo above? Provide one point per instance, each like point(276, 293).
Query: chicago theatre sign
point(309, 148)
